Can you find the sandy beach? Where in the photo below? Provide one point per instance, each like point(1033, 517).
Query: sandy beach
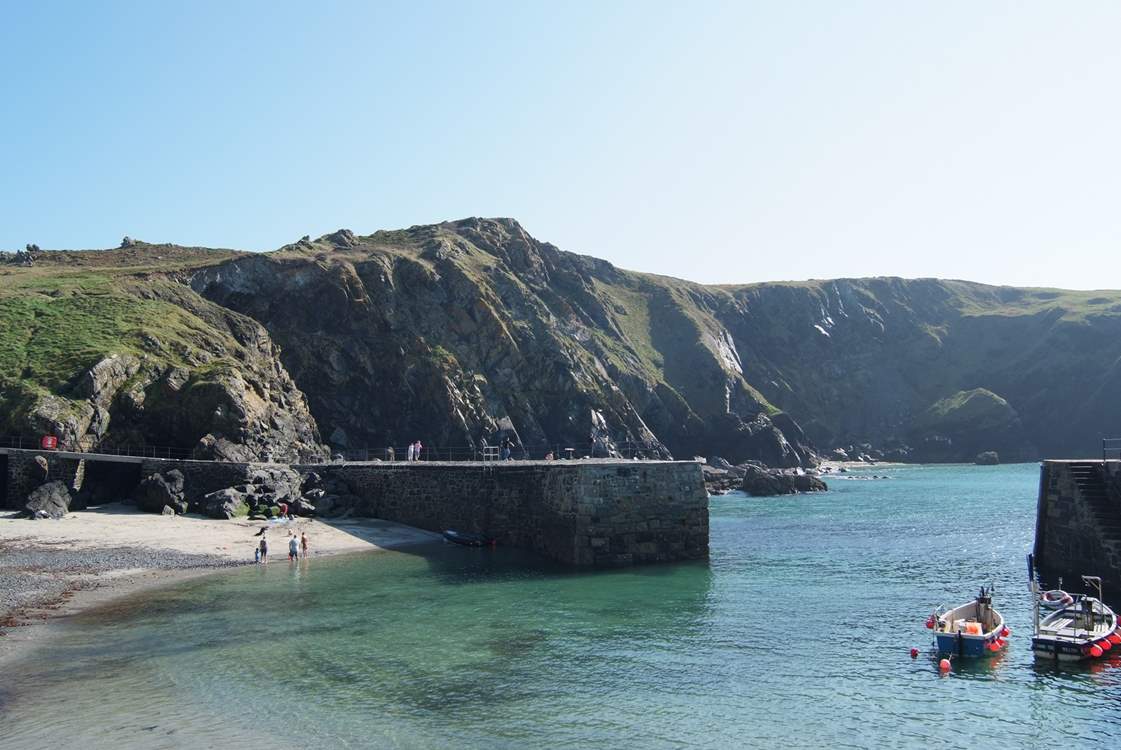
point(54, 568)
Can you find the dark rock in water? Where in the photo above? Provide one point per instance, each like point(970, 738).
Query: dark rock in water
point(718, 481)
point(987, 458)
point(50, 500)
point(762, 482)
point(160, 490)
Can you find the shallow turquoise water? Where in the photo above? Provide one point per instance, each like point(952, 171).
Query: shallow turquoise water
point(795, 634)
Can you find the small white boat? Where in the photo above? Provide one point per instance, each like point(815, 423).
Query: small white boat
point(1083, 630)
point(974, 629)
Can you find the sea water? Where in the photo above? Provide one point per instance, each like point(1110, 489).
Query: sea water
point(796, 633)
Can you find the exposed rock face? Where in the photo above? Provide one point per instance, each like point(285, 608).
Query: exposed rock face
point(383, 334)
point(455, 332)
point(50, 500)
point(160, 491)
point(719, 481)
point(762, 482)
point(261, 491)
point(227, 503)
point(218, 393)
point(987, 458)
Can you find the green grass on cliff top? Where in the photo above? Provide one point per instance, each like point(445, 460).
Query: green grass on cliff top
point(973, 408)
point(968, 297)
point(54, 326)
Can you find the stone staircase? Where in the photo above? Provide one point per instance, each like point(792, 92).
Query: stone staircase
point(1104, 504)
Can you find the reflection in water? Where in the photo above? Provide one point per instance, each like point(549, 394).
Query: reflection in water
point(797, 633)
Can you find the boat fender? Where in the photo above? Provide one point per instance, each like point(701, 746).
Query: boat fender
point(914, 652)
point(1096, 651)
point(944, 665)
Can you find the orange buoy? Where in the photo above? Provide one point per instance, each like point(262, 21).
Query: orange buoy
point(993, 646)
point(1005, 633)
point(1096, 651)
point(944, 665)
point(914, 652)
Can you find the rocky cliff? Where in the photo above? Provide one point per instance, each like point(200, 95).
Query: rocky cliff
point(451, 332)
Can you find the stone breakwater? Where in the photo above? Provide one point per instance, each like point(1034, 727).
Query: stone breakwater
point(586, 513)
point(582, 513)
point(1078, 523)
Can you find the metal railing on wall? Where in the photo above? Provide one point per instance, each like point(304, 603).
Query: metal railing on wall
point(1111, 449)
point(557, 451)
point(25, 442)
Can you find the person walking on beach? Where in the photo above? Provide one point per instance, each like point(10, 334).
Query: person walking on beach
point(293, 547)
point(303, 543)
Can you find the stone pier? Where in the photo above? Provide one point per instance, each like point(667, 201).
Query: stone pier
point(1078, 524)
point(585, 513)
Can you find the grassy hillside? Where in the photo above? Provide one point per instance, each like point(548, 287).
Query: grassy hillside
point(442, 331)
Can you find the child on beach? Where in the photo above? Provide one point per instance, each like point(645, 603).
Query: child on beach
point(263, 549)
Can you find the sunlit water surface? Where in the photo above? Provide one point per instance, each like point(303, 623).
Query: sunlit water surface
point(795, 634)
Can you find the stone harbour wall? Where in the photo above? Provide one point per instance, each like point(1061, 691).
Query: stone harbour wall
point(587, 514)
point(24, 474)
point(1078, 524)
point(200, 477)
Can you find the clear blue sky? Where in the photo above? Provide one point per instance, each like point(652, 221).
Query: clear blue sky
point(718, 142)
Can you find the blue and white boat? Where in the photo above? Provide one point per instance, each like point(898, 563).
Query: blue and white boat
point(974, 629)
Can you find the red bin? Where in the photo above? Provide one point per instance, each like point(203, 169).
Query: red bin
point(48, 442)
